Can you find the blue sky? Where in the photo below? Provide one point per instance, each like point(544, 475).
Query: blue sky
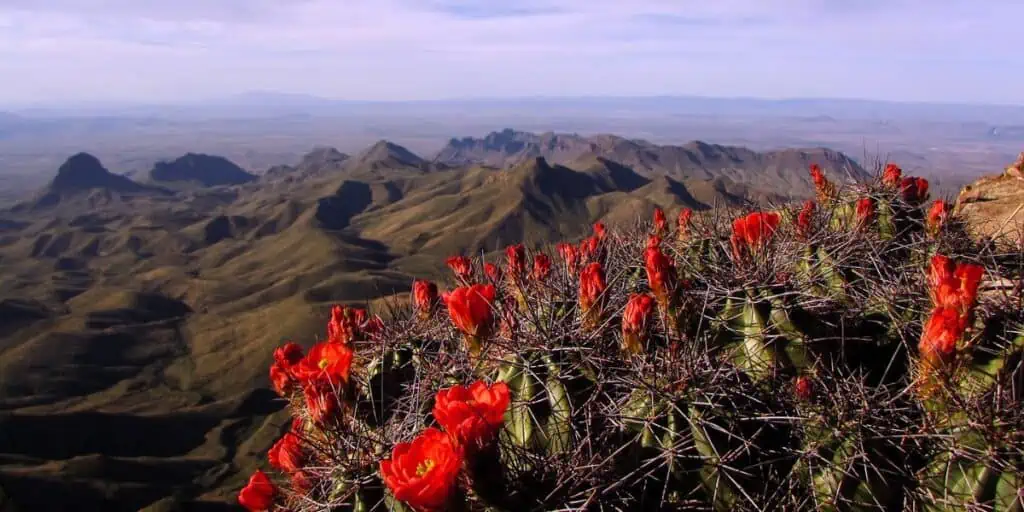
point(65, 51)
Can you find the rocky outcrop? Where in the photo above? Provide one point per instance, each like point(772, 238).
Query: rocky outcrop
point(994, 205)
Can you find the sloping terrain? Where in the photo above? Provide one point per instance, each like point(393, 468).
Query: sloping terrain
point(137, 322)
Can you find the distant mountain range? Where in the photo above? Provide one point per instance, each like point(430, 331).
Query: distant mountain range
point(137, 315)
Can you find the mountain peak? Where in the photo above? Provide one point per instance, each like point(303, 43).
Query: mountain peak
point(385, 154)
point(83, 171)
point(201, 169)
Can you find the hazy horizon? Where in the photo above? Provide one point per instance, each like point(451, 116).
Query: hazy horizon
point(72, 52)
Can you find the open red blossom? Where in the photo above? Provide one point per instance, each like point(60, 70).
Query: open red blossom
point(470, 308)
point(258, 494)
point(592, 285)
point(661, 272)
point(423, 473)
point(599, 231)
point(321, 400)
point(914, 190)
point(660, 221)
point(937, 215)
point(472, 415)
point(570, 256)
point(541, 267)
point(287, 453)
point(892, 175)
point(493, 272)
point(424, 297)
point(805, 219)
point(515, 260)
point(461, 266)
point(865, 211)
point(327, 360)
point(753, 231)
point(944, 328)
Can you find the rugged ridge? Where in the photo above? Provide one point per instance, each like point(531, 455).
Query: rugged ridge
point(779, 170)
point(200, 169)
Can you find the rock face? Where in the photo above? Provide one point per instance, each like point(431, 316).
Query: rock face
point(994, 206)
point(203, 170)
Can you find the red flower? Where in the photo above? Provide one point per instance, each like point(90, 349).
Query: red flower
point(803, 387)
point(590, 249)
point(592, 287)
point(281, 379)
point(288, 354)
point(515, 259)
point(541, 267)
point(424, 298)
point(944, 328)
point(258, 494)
point(660, 222)
point(683, 223)
point(570, 255)
point(636, 321)
point(470, 309)
point(865, 211)
point(321, 400)
point(286, 454)
point(328, 361)
point(493, 272)
point(461, 266)
point(282, 376)
point(346, 324)
point(753, 231)
point(937, 216)
point(661, 272)
point(914, 190)
point(892, 175)
point(804, 220)
point(822, 186)
point(954, 285)
point(423, 473)
point(473, 415)
point(599, 231)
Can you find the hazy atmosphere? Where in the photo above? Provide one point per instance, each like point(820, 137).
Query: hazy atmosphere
point(61, 52)
point(511, 256)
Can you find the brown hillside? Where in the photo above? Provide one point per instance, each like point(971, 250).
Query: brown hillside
point(135, 322)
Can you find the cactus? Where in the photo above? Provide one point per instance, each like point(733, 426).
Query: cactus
point(782, 361)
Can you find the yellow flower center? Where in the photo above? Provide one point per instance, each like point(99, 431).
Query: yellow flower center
point(323, 363)
point(425, 467)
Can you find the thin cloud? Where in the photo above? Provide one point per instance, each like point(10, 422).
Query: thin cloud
point(415, 49)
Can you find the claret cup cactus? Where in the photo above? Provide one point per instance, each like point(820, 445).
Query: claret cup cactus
point(853, 352)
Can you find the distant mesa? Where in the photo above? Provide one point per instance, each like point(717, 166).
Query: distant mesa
point(202, 170)
point(84, 172)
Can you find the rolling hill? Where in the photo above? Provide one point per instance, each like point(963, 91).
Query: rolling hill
point(137, 320)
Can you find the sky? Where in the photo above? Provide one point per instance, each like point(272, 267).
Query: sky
point(167, 51)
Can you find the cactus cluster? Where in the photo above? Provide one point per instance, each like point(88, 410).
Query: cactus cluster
point(855, 352)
